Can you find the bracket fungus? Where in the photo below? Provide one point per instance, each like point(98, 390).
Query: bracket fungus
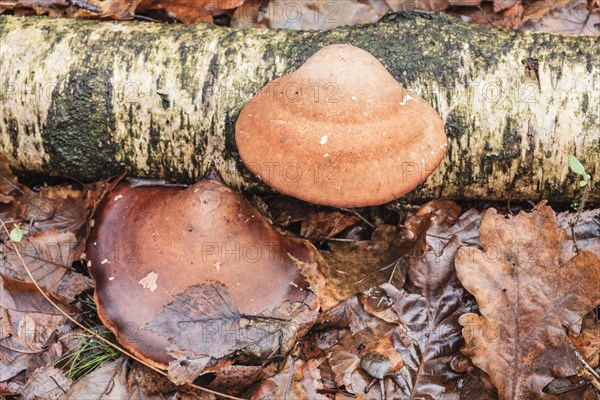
point(340, 131)
point(156, 248)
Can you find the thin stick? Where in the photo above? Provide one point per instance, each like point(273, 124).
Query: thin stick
point(94, 334)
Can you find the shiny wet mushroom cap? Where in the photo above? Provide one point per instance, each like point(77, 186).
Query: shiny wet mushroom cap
point(340, 131)
point(150, 244)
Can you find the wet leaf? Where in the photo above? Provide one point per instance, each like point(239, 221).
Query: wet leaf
point(429, 308)
point(526, 299)
point(205, 319)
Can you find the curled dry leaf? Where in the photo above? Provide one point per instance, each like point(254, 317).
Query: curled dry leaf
point(429, 309)
point(526, 299)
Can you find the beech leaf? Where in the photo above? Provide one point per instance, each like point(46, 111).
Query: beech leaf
point(527, 300)
point(205, 319)
point(429, 308)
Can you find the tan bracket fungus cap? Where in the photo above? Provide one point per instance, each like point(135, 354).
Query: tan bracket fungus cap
point(150, 244)
point(340, 131)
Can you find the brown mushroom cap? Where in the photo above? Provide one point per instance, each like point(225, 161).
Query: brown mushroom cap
point(150, 244)
point(340, 131)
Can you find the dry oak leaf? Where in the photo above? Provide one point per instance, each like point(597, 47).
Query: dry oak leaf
point(527, 300)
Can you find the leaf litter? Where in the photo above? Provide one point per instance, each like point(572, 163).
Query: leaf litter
point(404, 306)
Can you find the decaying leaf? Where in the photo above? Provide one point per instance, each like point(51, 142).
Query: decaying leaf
point(29, 328)
point(500, 5)
point(204, 318)
point(106, 383)
point(49, 256)
point(295, 381)
point(585, 235)
point(191, 11)
point(355, 267)
point(307, 14)
point(46, 383)
point(588, 342)
point(56, 222)
point(527, 299)
point(429, 309)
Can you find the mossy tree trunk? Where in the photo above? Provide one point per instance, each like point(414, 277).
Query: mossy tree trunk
point(91, 99)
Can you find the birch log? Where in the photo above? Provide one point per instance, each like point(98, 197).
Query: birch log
point(91, 99)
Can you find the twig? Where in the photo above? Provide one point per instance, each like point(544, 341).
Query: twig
point(94, 334)
point(288, 386)
point(584, 198)
point(58, 385)
point(590, 374)
point(354, 212)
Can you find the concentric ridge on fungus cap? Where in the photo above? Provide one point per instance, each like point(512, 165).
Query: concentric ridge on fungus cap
point(340, 131)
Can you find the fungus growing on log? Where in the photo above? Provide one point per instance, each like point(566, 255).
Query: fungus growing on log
point(154, 248)
point(340, 131)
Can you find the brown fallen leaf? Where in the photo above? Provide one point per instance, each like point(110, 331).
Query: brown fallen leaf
point(315, 224)
point(29, 328)
point(45, 383)
point(49, 256)
point(356, 267)
point(572, 17)
point(588, 342)
point(191, 11)
point(307, 14)
point(295, 381)
point(324, 225)
point(526, 299)
point(205, 319)
point(586, 233)
point(500, 5)
point(429, 309)
point(56, 221)
point(106, 383)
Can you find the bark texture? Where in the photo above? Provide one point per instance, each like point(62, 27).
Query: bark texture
point(91, 99)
